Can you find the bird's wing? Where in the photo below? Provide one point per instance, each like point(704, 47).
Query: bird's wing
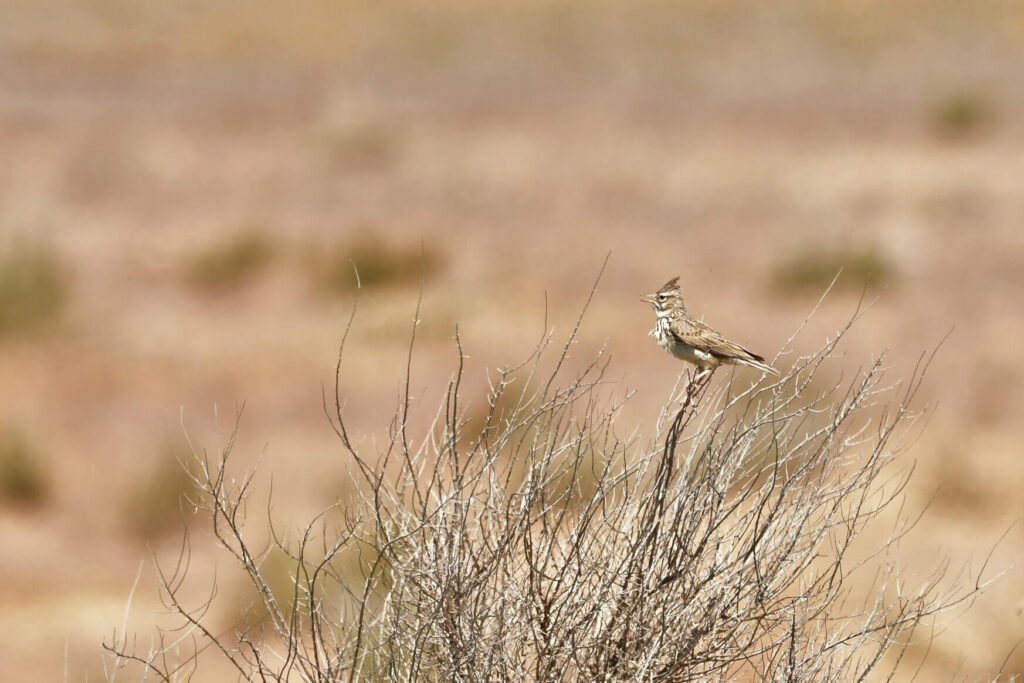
point(702, 336)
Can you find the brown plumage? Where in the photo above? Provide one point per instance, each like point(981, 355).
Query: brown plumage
point(692, 340)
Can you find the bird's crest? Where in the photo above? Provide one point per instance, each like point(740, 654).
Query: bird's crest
point(670, 286)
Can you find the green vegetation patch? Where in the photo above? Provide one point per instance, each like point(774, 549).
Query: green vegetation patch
point(230, 262)
point(811, 270)
point(961, 115)
point(34, 287)
point(379, 263)
point(23, 479)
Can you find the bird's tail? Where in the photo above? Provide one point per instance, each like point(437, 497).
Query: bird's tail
point(756, 361)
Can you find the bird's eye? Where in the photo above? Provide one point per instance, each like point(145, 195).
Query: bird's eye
point(661, 297)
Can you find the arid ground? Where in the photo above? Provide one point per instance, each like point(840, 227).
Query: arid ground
point(185, 186)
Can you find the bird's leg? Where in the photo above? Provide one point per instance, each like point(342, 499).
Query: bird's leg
point(696, 384)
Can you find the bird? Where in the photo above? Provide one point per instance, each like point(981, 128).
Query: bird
point(692, 340)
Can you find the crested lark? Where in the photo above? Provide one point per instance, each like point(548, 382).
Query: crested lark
point(691, 340)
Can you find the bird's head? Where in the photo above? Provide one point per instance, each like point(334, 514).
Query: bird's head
point(666, 298)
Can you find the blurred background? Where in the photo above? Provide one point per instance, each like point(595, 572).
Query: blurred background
point(185, 185)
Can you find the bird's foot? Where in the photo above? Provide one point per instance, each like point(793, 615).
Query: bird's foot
point(701, 377)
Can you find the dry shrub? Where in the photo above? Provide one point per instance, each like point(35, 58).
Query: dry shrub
point(720, 547)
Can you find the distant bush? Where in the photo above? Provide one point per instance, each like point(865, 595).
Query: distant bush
point(228, 263)
point(379, 263)
point(33, 287)
point(22, 476)
point(154, 506)
point(959, 491)
point(961, 114)
point(810, 271)
point(250, 612)
point(369, 147)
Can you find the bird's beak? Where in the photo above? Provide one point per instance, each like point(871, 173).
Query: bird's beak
point(648, 298)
